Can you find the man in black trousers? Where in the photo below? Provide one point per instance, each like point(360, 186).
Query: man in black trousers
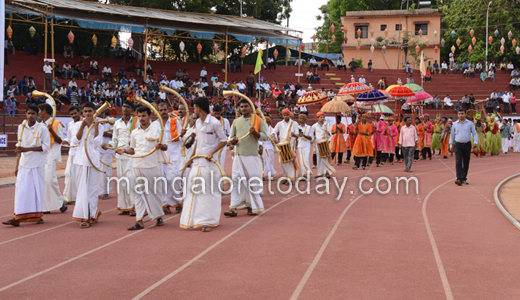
point(460, 140)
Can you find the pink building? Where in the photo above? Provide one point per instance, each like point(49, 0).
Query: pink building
point(399, 31)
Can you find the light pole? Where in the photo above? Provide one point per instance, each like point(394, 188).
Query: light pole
point(487, 32)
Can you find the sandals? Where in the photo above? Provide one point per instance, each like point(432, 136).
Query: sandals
point(63, 208)
point(11, 222)
point(132, 213)
point(355, 168)
point(159, 222)
point(206, 228)
point(123, 213)
point(84, 225)
point(250, 212)
point(167, 211)
point(230, 213)
point(97, 219)
point(40, 221)
point(178, 209)
point(105, 197)
point(136, 226)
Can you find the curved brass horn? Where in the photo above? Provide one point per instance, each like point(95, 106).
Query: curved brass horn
point(164, 88)
point(103, 107)
point(159, 141)
point(42, 94)
point(205, 156)
point(253, 111)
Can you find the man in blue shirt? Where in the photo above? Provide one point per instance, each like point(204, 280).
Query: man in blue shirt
point(460, 140)
point(436, 69)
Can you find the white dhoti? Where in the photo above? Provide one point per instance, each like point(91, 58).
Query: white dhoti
point(71, 189)
point(516, 142)
point(53, 198)
point(86, 208)
point(303, 156)
point(324, 167)
point(105, 187)
point(29, 194)
point(246, 170)
point(172, 198)
point(202, 206)
point(505, 145)
point(222, 157)
point(125, 196)
point(268, 156)
point(148, 204)
point(289, 171)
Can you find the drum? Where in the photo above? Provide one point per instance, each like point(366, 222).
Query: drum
point(286, 154)
point(323, 148)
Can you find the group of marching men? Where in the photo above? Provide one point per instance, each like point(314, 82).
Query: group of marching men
point(251, 141)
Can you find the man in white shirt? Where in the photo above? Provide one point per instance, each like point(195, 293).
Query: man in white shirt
point(67, 68)
point(30, 176)
point(73, 83)
point(86, 207)
point(205, 87)
point(94, 67)
point(105, 158)
point(47, 70)
point(362, 79)
point(270, 62)
point(121, 140)
point(505, 99)
point(162, 95)
point(71, 190)
point(204, 75)
point(173, 84)
point(331, 94)
point(305, 137)
point(321, 132)
point(313, 64)
point(202, 207)
point(286, 131)
point(447, 101)
point(53, 198)
point(300, 62)
point(300, 92)
point(148, 206)
point(173, 138)
point(107, 71)
point(241, 87)
point(268, 152)
point(444, 67)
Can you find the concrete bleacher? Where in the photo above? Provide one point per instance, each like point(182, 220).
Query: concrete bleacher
point(456, 86)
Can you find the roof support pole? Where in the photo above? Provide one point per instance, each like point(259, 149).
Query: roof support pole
point(299, 61)
point(225, 60)
point(52, 46)
point(145, 51)
point(45, 53)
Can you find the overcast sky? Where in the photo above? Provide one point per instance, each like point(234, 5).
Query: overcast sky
point(303, 17)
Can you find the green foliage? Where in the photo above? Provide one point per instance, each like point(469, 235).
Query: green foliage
point(464, 15)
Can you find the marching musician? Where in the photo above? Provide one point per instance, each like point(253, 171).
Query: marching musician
point(268, 152)
point(306, 133)
point(321, 133)
point(287, 131)
point(105, 159)
point(71, 189)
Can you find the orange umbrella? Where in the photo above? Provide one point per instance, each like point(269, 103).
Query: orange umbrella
point(312, 97)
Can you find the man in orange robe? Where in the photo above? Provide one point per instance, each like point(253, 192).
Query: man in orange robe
point(337, 142)
point(363, 145)
point(351, 138)
point(420, 134)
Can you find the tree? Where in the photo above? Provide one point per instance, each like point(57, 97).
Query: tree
point(464, 15)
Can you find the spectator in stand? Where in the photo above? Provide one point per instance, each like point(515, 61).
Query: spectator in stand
point(83, 71)
point(471, 71)
point(217, 88)
point(32, 48)
point(428, 75)
point(370, 66)
point(129, 56)
point(455, 68)
point(493, 67)
point(57, 71)
point(510, 67)
point(13, 82)
point(317, 78)
point(94, 67)
point(465, 66)
point(313, 64)
point(73, 83)
point(300, 62)
point(428, 102)
point(457, 106)
point(444, 67)
point(63, 93)
point(447, 101)
point(32, 84)
point(271, 63)
point(200, 92)
point(362, 79)
point(205, 87)
point(73, 97)
point(502, 67)
point(513, 83)
point(23, 85)
point(478, 68)
point(9, 45)
point(353, 65)
point(409, 79)
point(75, 70)
point(505, 100)
point(483, 76)
point(465, 102)
point(241, 87)
point(10, 91)
point(341, 65)
point(9, 106)
point(513, 104)
point(204, 75)
point(120, 54)
point(382, 83)
point(250, 81)
point(47, 70)
point(331, 94)
point(213, 78)
point(107, 71)
point(325, 64)
point(408, 67)
point(82, 95)
point(286, 89)
point(259, 90)
point(67, 68)
point(29, 99)
point(149, 69)
point(277, 95)
point(67, 51)
point(310, 76)
point(121, 73)
point(491, 74)
point(436, 69)
point(472, 101)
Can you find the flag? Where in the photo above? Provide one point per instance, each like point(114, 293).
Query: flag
point(259, 62)
point(422, 65)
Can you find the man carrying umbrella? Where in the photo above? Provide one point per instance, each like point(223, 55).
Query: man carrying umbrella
point(363, 144)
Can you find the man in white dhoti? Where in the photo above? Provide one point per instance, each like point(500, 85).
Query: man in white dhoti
point(53, 197)
point(71, 189)
point(105, 159)
point(268, 152)
point(202, 202)
point(321, 132)
point(86, 207)
point(247, 165)
point(505, 131)
point(30, 177)
point(287, 131)
point(516, 136)
point(148, 203)
point(172, 137)
point(306, 134)
point(217, 113)
point(121, 140)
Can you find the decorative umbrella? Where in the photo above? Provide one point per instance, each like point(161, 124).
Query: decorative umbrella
point(400, 91)
point(420, 96)
point(371, 96)
point(392, 86)
point(312, 97)
point(383, 109)
point(346, 97)
point(414, 87)
point(353, 88)
point(336, 106)
point(387, 94)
